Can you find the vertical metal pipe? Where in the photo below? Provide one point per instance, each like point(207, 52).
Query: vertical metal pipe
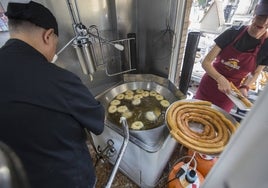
point(121, 153)
point(77, 12)
point(188, 62)
point(70, 8)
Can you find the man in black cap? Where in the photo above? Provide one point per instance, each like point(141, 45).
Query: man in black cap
point(44, 109)
point(238, 56)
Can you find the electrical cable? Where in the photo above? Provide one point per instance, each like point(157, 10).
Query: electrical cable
point(181, 171)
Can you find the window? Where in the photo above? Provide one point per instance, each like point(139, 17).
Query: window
point(3, 19)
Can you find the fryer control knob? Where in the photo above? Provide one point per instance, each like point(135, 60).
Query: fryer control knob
point(191, 176)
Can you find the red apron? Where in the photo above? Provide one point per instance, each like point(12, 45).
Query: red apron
point(234, 66)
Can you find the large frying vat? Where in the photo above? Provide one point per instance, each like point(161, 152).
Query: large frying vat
point(148, 151)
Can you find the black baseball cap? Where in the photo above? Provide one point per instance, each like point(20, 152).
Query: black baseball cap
point(34, 13)
point(262, 8)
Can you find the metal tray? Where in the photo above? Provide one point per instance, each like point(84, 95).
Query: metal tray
point(198, 128)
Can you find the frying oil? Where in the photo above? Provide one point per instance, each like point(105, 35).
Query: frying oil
point(149, 111)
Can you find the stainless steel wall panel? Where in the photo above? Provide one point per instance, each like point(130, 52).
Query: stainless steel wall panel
point(151, 20)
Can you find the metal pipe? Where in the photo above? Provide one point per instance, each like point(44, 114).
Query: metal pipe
point(121, 153)
point(72, 12)
point(77, 12)
point(188, 62)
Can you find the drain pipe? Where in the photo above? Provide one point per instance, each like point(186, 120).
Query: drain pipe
point(121, 153)
point(189, 58)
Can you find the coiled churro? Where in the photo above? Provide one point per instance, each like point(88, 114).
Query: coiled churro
point(216, 127)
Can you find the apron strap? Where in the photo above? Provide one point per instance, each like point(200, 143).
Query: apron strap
point(239, 35)
point(264, 36)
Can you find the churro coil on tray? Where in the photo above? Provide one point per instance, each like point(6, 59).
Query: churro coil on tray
point(215, 126)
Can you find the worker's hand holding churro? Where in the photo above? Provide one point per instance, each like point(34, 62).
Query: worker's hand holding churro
point(223, 84)
point(235, 92)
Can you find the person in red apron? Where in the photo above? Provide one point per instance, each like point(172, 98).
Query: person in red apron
point(239, 54)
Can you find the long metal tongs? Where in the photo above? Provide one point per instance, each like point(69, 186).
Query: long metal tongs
point(121, 153)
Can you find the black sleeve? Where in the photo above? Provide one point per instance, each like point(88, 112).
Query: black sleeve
point(82, 105)
point(226, 37)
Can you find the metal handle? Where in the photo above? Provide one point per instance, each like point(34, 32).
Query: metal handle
point(129, 58)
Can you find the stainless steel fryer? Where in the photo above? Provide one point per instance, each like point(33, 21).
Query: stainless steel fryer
point(148, 151)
